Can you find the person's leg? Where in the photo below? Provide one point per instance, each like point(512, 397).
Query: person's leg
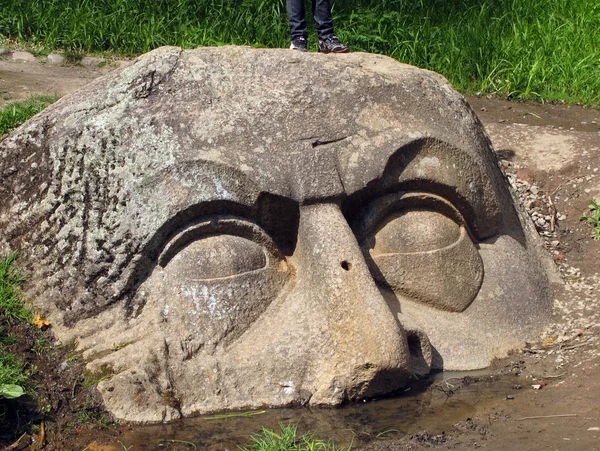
point(328, 42)
point(323, 19)
point(296, 18)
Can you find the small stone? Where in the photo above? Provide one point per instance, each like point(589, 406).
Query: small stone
point(562, 217)
point(572, 129)
point(56, 59)
point(509, 397)
point(587, 190)
point(541, 222)
point(534, 190)
point(594, 429)
point(530, 205)
point(23, 57)
point(92, 61)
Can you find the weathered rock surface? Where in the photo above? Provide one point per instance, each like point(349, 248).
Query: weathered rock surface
point(228, 228)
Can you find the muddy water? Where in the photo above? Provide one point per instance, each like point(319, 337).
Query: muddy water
point(445, 400)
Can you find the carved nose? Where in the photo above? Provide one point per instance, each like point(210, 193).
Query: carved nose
point(364, 349)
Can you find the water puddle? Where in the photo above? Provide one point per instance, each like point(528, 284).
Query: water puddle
point(447, 399)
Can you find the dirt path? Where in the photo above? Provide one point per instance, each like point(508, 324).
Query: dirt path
point(19, 80)
point(551, 154)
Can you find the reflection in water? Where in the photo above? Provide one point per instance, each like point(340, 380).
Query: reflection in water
point(446, 399)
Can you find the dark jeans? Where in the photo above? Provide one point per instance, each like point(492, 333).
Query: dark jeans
point(297, 18)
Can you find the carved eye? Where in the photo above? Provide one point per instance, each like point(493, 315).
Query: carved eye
point(415, 231)
point(423, 253)
point(218, 256)
point(215, 278)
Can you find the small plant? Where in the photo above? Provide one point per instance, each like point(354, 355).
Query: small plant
point(287, 440)
point(11, 391)
point(40, 347)
point(92, 379)
point(40, 51)
point(73, 57)
point(16, 113)
point(594, 218)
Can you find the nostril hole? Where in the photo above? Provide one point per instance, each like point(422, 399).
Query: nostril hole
point(346, 265)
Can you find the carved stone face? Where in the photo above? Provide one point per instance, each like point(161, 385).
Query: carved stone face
point(231, 228)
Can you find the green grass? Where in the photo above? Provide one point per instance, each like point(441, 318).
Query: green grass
point(11, 306)
point(12, 370)
point(526, 49)
point(594, 218)
point(287, 439)
point(13, 115)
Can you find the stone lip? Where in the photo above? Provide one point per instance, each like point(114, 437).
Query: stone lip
point(292, 154)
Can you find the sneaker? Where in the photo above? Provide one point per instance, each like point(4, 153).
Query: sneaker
point(332, 44)
point(300, 44)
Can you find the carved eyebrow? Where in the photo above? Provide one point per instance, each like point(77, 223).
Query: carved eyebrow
point(433, 166)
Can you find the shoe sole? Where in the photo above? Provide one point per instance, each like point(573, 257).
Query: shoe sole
point(335, 51)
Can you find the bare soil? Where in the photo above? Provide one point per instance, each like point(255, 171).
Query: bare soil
point(549, 397)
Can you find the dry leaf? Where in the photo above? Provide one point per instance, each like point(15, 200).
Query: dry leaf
point(39, 322)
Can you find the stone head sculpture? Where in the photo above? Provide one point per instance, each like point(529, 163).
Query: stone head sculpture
point(228, 228)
